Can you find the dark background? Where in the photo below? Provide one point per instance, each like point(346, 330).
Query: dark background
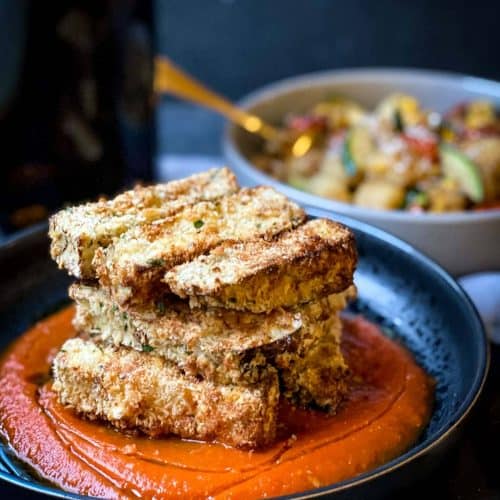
point(237, 45)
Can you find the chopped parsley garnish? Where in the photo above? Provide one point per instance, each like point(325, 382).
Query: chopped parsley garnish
point(156, 262)
point(147, 348)
point(160, 307)
point(198, 223)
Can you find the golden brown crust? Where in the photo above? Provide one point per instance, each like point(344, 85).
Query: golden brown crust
point(133, 390)
point(77, 232)
point(133, 267)
point(317, 374)
point(298, 266)
point(220, 345)
point(215, 344)
point(211, 300)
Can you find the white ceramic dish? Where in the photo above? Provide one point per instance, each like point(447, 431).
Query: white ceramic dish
point(462, 242)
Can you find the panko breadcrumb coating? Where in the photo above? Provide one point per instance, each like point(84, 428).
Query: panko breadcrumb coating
point(199, 306)
point(134, 390)
point(77, 232)
point(220, 345)
point(132, 268)
point(298, 266)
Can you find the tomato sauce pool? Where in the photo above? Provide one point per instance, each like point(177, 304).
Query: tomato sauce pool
point(388, 406)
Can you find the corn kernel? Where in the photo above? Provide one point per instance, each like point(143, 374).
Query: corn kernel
point(378, 163)
point(480, 114)
point(448, 135)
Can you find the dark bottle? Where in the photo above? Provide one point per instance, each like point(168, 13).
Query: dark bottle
point(76, 107)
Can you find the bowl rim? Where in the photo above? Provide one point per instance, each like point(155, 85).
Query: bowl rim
point(416, 451)
point(235, 157)
point(475, 390)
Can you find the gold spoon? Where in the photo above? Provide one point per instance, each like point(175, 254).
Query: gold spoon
point(170, 79)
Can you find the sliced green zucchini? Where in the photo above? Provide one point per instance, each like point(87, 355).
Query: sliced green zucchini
point(358, 145)
point(459, 167)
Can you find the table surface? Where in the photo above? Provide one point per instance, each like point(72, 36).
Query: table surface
point(471, 470)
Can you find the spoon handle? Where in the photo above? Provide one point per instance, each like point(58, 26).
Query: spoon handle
point(170, 79)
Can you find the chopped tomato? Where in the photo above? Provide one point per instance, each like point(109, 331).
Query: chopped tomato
point(455, 119)
point(488, 205)
point(307, 122)
point(424, 146)
point(457, 111)
point(478, 133)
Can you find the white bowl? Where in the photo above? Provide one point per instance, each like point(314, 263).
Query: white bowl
point(462, 242)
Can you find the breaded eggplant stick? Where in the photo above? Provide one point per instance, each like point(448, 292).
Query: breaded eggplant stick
point(317, 375)
point(298, 266)
point(215, 344)
point(132, 267)
point(224, 346)
point(142, 391)
point(76, 232)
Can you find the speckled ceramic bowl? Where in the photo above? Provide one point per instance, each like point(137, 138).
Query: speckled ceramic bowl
point(462, 242)
point(413, 299)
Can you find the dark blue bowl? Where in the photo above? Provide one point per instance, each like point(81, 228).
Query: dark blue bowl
point(410, 296)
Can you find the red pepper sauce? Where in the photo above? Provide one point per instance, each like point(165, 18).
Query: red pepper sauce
point(388, 406)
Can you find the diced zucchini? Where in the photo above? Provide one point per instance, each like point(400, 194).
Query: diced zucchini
point(407, 105)
point(398, 122)
point(459, 167)
point(380, 195)
point(358, 145)
point(339, 111)
point(329, 187)
point(416, 198)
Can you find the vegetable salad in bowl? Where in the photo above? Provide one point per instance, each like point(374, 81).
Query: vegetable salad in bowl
point(398, 156)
